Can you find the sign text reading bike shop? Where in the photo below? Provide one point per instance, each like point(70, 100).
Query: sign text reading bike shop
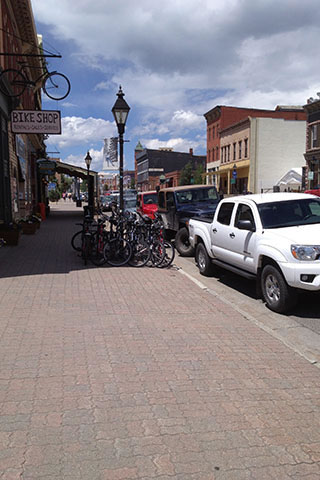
point(36, 121)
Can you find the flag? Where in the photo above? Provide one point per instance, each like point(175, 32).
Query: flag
point(110, 154)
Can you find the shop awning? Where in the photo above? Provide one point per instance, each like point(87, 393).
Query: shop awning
point(73, 170)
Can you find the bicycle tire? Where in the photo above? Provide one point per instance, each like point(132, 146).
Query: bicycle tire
point(15, 80)
point(157, 253)
point(56, 86)
point(169, 255)
point(141, 254)
point(117, 252)
point(76, 241)
point(97, 256)
point(86, 245)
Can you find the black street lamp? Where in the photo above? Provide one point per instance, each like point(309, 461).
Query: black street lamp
point(162, 180)
point(120, 112)
point(88, 161)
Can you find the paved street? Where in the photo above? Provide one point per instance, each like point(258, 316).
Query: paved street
point(300, 330)
point(122, 373)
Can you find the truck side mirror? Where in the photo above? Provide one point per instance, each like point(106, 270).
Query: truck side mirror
point(246, 225)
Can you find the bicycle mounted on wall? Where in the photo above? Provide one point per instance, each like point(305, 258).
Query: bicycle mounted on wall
point(54, 84)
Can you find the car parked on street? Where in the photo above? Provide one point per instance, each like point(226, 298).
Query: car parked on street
point(272, 238)
point(178, 204)
point(314, 191)
point(147, 203)
point(130, 204)
point(107, 202)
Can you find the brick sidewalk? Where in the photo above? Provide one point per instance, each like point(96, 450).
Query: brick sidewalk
point(122, 373)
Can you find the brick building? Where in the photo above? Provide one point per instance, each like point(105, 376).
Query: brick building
point(312, 153)
point(20, 190)
point(221, 117)
point(153, 164)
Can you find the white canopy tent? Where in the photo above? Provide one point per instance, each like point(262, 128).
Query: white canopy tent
point(291, 181)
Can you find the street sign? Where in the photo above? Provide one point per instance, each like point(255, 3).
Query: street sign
point(234, 173)
point(52, 186)
point(233, 181)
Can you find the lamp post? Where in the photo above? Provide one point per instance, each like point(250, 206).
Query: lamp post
point(88, 161)
point(120, 112)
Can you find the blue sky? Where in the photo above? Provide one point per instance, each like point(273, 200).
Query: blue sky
point(175, 60)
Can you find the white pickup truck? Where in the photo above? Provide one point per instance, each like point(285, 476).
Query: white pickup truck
point(273, 238)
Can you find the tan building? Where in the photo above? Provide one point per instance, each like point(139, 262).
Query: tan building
point(256, 152)
point(220, 118)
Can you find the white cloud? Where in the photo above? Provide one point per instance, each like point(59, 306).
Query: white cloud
point(96, 155)
point(84, 130)
point(178, 59)
point(177, 144)
point(69, 104)
point(187, 119)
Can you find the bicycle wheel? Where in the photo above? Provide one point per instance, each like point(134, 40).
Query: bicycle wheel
point(86, 245)
point(141, 254)
point(76, 241)
point(157, 252)
point(97, 256)
point(12, 82)
point(117, 252)
point(169, 255)
point(56, 86)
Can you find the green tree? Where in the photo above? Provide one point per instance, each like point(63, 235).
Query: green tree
point(84, 186)
point(186, 175)
point(198, 178)
point(54, 195)
point(66, 182)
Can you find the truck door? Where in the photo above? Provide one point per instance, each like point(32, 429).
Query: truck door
point(244, 241)
point(222, 242)
point(171, 210)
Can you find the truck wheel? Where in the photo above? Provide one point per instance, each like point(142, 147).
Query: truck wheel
point(203, 260)
point(182, 243)
point(276, 292)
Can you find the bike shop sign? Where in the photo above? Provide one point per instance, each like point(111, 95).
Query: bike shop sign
point(36, 121)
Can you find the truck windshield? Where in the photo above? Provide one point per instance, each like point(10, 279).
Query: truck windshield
point(150, 198)
point(290, 213)
point(193, 195)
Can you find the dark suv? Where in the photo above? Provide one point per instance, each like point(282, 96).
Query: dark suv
point(178, 204)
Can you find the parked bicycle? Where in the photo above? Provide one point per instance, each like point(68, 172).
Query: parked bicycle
point(123, 238)
point(54, 84)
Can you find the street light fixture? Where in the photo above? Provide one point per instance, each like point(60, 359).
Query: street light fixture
point(162, 179)
point(120, 112)
point(88, 161)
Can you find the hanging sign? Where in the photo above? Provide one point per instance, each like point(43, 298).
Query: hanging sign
point(36, 121)
point(46, 167)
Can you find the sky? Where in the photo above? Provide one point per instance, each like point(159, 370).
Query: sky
point(175, 61)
